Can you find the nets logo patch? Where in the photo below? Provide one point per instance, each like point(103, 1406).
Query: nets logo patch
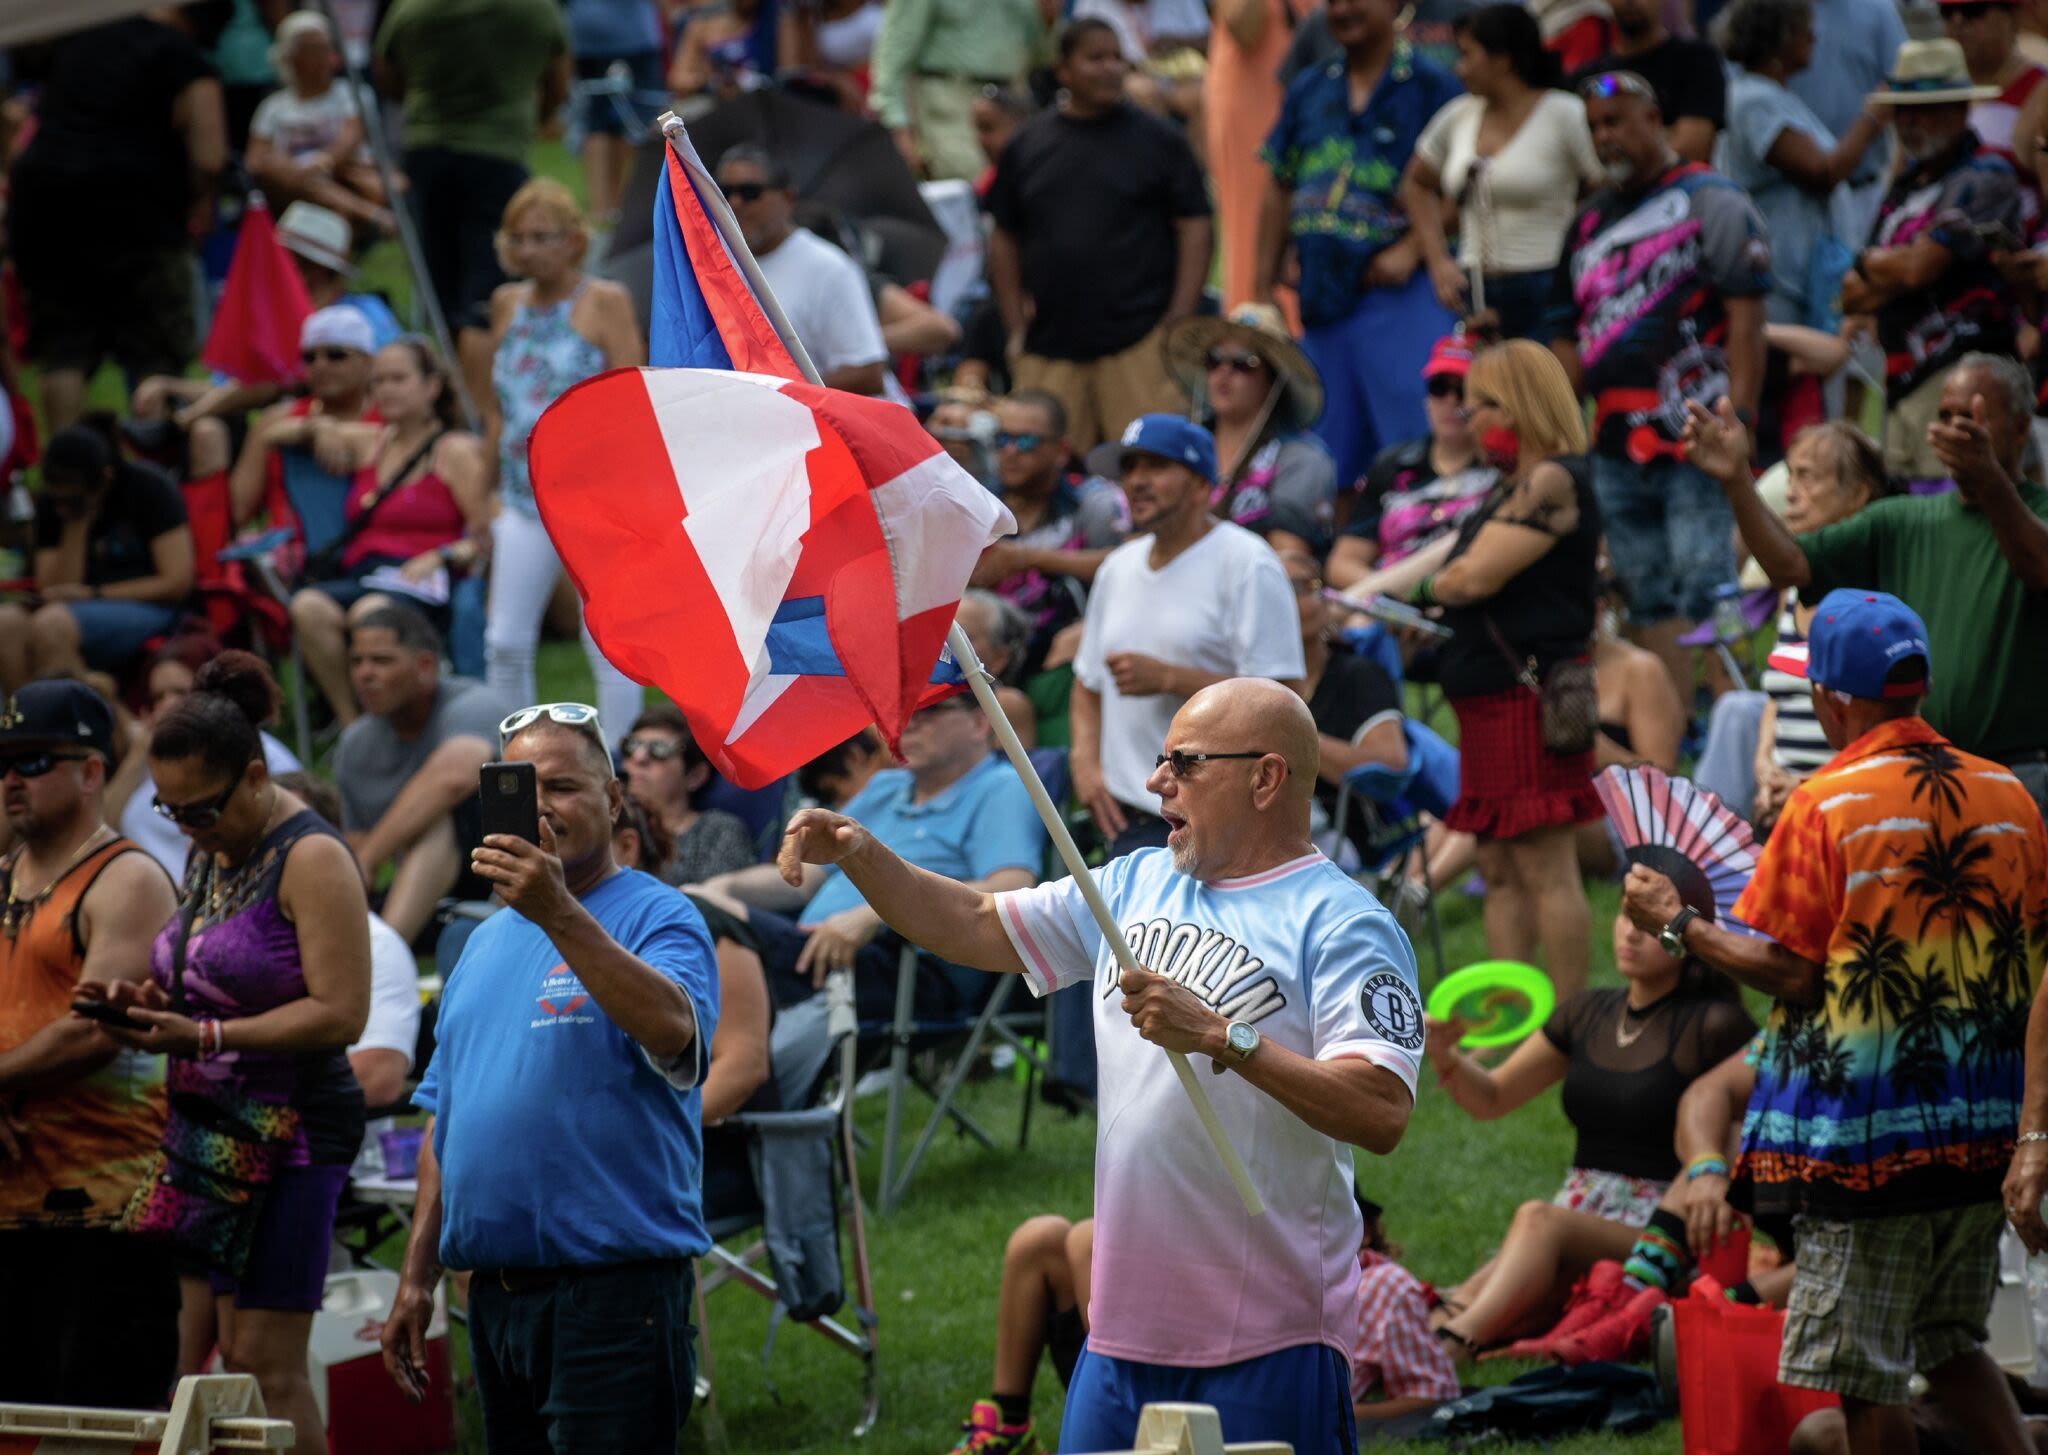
point(1392, 1009)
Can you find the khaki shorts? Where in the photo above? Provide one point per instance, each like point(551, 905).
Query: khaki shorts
point(942, 117)
point(1877, 1298)
point(1103, 395)
point(1907, 455)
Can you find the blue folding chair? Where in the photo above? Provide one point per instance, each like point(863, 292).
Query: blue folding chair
point(1394, 801)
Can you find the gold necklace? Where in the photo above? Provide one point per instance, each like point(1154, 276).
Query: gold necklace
point(19, 909)
point(1625, 1038)
point(217, 886)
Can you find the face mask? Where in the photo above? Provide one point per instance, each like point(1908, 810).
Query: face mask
point(1502, 447)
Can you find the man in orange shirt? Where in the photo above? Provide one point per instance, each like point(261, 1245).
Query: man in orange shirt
point(91, 1315)
point(1903, 897)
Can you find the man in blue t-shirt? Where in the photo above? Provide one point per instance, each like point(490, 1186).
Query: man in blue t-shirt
point(564, 1150)
point(954, 808)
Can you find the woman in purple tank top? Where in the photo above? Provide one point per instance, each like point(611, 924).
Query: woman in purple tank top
point(272, 984)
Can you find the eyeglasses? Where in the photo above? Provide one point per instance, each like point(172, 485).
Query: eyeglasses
point(579, 715)
point(1610, 84)
point(1478, 402)
point(659, 749)
point(325, 356)
point(1181, 762)
point(1447, 386)
point(36, 764)
point(1307, 586)
point(746, 191)
point(1004, 440)
point(202, 815)
point(1241, 361)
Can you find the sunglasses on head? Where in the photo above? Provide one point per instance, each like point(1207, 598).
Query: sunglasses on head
point(324, 356)
point(34, 764)
point(1004, 440)
point(201, 815)
point(1182, 763)
point(1447, 386)
point(1610, 84)
point(1242, 361)
point(579, 715)
point(746, 191)
point(659, 749)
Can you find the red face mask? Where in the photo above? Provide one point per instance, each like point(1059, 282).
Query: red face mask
point(1502, 447)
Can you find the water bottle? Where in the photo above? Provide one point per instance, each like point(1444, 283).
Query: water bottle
point(1729, 625)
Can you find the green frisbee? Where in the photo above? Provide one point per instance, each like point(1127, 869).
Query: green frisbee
point(1501, 1000)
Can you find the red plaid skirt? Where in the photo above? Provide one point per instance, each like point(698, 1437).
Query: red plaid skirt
point(1508, 782)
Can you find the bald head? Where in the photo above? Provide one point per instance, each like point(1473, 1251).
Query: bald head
point(1259, 713)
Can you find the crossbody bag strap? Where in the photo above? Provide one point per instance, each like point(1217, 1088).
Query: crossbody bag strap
point(385, 490)
point(186, 914)
point(1523, 668)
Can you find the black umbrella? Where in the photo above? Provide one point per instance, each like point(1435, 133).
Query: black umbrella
point(838, 163)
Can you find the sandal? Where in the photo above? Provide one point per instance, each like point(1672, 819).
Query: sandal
point(1463, 1348)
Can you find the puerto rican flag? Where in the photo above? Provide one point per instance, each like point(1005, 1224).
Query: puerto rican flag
point(781, 559)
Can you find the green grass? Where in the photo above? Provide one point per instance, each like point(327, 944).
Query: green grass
point(1449, 1191)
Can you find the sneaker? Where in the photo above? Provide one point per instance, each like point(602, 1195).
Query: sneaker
point(1593, 1297)
point(1623, 1333)
point(986, 1434)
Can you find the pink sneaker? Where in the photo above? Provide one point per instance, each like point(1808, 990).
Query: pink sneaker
point(986, 1434)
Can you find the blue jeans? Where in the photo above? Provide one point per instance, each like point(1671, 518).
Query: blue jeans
point(1371, 363)
point(599, 1363)
point(1521, 300)
point(1727, 763)
point(1670, 535)
point(111, 634)
point(1300, 1395)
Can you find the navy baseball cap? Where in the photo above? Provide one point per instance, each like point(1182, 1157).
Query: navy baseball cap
point(1166, 435)
point(58, 713)
point(1856, 639)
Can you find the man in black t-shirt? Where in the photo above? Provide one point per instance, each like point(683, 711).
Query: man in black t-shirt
point(1691, 84)
point(1102, 239)
point(113, 564)
point(130, 143)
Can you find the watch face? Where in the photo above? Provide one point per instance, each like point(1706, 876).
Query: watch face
point(1242, 1038)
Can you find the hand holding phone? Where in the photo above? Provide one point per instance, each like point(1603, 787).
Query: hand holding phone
point(106, 1014)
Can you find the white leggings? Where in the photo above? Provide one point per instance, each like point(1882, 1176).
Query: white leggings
point(524, 568)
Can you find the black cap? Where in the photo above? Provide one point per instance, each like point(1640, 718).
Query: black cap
point(58, 714)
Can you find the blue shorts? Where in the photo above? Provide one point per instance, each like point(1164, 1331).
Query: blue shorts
point(1300, 1395)
point(600, 115)
point(1670, 536)
point(111, 634)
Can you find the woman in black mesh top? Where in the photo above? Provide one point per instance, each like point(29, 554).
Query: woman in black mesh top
point(1625, 1055)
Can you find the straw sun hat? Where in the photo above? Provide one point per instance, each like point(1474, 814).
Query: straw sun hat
point(1929, 73)
point(1258, 328)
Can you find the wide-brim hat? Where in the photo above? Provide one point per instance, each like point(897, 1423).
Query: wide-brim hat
point(1254, 326)
point(317, 234)
point(1930, 73)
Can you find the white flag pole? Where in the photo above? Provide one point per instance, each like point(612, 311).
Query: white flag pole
point(979, 680)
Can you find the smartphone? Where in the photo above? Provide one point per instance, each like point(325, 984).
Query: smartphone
point(113, 1015)
point(511, 804)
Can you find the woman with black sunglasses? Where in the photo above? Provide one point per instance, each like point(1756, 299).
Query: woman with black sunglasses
point(257, 986)
point(1257, 393)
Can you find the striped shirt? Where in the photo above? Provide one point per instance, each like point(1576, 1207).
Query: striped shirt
point(1798, 744)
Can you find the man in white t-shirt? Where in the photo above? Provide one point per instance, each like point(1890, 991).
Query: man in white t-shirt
point(1205, 600)
point(1277, 967)
point(823, 291)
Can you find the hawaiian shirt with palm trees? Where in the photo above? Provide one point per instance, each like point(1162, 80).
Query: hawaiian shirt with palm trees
point(1917, 874)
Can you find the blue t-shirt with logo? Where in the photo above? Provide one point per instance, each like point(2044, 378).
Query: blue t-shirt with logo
point(562, 1143)
point(967, 831)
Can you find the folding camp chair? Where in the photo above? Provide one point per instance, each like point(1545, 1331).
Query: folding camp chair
point(1752, 609)
point(1394, 802)
point(820, 1080)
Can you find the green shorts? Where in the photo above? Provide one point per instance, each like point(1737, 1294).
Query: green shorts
point(1877, 1298)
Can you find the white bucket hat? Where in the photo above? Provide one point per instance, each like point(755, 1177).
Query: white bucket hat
point(318, 235)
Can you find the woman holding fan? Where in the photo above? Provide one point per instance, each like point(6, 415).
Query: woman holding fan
point(1625, 1057)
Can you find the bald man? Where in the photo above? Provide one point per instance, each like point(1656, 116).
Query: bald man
point(1297, 986)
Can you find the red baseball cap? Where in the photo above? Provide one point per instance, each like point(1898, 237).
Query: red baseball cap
point(1451, 354)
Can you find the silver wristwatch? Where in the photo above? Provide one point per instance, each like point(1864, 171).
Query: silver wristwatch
point(1243, 1038)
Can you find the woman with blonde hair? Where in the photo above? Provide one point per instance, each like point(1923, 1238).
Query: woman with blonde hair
point(551, 327)
point(1518, 592)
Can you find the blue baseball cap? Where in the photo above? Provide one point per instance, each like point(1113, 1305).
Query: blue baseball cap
point(1856, 639)
point(1166, 435)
